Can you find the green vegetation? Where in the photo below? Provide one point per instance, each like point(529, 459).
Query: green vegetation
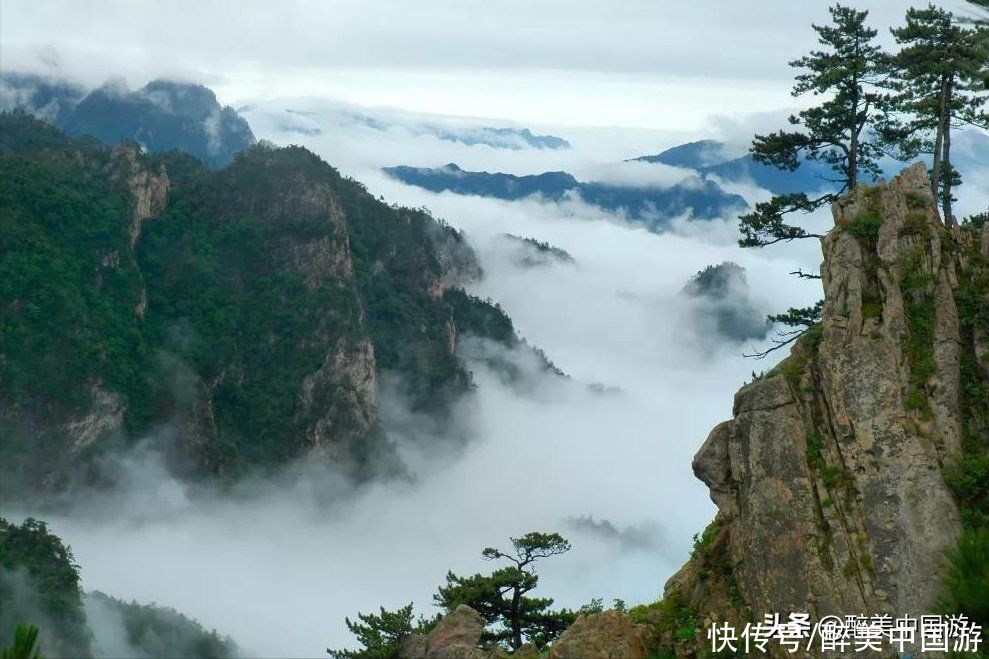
point(815, 445)
point(907, 102)
point(69, 317)
point(502, 596)
point(159, 631)
point(806, 322)
point(381, 635)
point(668, 617)
point(512, 616)
point(934, 91)
point(966, 582)
point(834, 132)
point(703, 540)
point(252, 280)
point(976, 221)
point(39, 584)
point(968, 477)
point(967, 578)
point(672, 621)
point(915, 224)
point(865, 228)
point(22, 132)
point(23, 645)
point(919, 342)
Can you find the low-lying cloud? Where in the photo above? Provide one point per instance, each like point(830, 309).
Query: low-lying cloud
point(602, 456)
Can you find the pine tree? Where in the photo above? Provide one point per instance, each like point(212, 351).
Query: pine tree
point(937, 85)
point(836, 132)
point(381, 635)
point(503, 596)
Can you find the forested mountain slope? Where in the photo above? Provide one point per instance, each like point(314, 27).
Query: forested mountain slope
point(242, 315)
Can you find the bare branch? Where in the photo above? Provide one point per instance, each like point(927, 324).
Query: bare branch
point(762, 354)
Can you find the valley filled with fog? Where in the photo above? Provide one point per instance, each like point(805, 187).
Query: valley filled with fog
point(602, 457)
point(594, 182)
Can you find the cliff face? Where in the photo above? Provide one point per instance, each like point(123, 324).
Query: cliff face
point(830, 479)
point(244, 314)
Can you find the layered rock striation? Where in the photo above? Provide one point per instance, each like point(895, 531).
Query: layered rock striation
point(833, 479)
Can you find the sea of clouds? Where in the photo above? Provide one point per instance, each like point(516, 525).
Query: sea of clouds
point(602, 457)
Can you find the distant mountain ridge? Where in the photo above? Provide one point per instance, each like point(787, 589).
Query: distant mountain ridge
point(652, 206)
point(692, 155)
point(317, 120)
point(161, 116)
point(275, 289)
point(714, 158)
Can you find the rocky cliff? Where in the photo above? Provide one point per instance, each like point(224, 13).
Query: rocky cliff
point(241, 316)
point(837, 479)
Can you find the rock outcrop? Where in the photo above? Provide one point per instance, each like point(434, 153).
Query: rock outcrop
point(147, 189)
point(604, 635)
point(830, 477)
point(455, 637)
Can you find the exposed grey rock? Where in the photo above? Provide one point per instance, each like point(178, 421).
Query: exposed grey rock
point(455, 637)
point(604, 635)
point(828, 479)
point(148, 190)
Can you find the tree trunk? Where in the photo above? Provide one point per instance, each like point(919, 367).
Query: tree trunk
point(949, 219)
point(853, 138)
point(939, 140)
point(516, 620)
point(853, 175)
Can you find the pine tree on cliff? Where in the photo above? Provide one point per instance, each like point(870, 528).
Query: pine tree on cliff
point(502, 597)
point(835, 132)
point(938, 86)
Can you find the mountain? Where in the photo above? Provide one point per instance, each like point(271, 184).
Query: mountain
point(500, 138)
point(810, 177)
point(161, 116)
point(692, 155)
point(450, 177)
point(853, 476)
point(720, 294)
point(849, 470)
point(530, 253)
point(709, 158)
point(39, 586)
point(243, 316)
point(653, 207)
point(51, 100)
point(150, 630)
point(316, 119)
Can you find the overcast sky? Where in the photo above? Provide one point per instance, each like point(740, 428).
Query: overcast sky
point(649, 63)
